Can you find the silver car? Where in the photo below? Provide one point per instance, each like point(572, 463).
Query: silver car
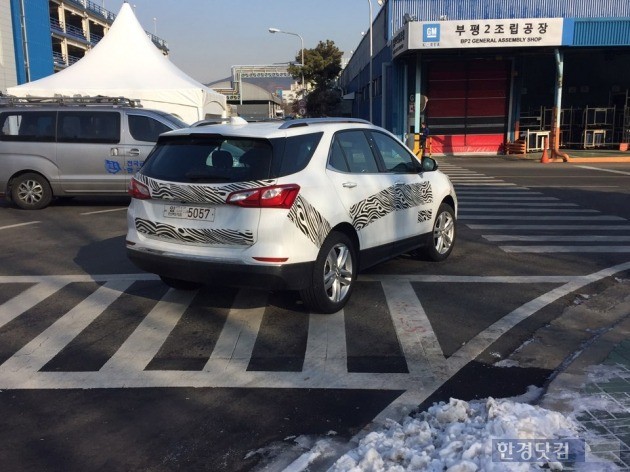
point(47, 151)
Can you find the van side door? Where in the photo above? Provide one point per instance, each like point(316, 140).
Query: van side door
point(87, 152)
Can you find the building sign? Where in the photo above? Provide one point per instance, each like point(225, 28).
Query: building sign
point(525, 32)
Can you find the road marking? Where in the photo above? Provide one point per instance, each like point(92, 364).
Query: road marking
point(544, 218)
point(145, 342)
point(411, 398)
point(474, 206)
point(527, 210)
point(557, 238)
point(103, 211)
point(490, 184)
point(32, 357)
point(605, 170)
point(17, 225)
point(483, 340)
point(324, 367)
point(505, 197)
point(552, 227)
point(562, 248)
point(28, 299)
point(326, 345)
point(419, 343)
point(236, 342)
point(501, 202)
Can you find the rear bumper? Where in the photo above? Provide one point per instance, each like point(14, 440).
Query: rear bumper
point(280, 277)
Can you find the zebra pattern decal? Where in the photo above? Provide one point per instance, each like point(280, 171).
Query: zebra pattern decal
point(203, 236)
point(309, 221)
point(196, 193)
point(424, 215)
point(302, 214)
point(394, 198)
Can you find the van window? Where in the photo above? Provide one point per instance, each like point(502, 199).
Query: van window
point(144, 128)
point(88, 127)
point(30, 126)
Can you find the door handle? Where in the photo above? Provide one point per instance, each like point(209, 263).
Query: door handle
point(134, 152)
point(349, 184)
point(113, 151)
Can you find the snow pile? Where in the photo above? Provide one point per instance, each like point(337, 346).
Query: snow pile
point(457, 437)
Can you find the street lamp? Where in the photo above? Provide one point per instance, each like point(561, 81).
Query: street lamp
point(276, 30)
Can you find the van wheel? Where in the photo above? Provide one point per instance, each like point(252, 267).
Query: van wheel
point(179, 284)
point(31, 191)
point(334, 273)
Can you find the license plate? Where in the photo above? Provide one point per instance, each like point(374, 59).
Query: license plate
point(189, 212)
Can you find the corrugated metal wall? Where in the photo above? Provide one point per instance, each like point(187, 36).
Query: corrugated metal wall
point(433, 10)
point(602, 32)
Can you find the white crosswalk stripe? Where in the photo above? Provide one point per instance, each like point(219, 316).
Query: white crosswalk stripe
point(325, 360)
point(518, 209)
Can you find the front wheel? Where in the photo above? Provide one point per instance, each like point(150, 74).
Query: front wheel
point(179, 284)
point(31, 191)
point(442, 239)
point(334, 273)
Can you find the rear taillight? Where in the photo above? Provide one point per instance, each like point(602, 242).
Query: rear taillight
point(277, 196)
point(138, 190)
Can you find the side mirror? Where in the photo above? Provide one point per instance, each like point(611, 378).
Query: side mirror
point(429, 164)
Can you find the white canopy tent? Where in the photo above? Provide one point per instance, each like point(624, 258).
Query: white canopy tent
point(125, 63)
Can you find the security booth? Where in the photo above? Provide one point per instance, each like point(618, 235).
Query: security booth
point(490, 77)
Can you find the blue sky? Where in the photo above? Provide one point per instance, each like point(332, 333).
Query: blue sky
point(207, 37)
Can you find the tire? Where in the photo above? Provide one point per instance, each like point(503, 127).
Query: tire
point(334, 274)
point(31, 191)
point(442, 238)
point(178, 284)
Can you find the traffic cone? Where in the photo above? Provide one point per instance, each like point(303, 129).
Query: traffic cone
point(544, 159)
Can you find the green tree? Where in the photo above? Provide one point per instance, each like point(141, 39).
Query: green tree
point(321, 68)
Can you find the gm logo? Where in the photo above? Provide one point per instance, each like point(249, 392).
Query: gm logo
point(431, 33)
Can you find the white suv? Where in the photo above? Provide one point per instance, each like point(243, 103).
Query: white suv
point(297, 205)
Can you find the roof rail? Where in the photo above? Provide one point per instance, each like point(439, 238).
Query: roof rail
point(233, 120)
point(10, 100)
point(314, 121)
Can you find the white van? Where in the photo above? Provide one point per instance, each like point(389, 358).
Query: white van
point(52, 150)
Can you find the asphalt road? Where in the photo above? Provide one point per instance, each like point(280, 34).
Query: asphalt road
point(103, 368)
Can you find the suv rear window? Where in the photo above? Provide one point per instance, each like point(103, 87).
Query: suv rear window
point(212, 158)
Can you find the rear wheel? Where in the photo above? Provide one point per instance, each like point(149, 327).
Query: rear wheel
point(334, 274)
point(31, 191)
point(442, 238)
point(179, 284)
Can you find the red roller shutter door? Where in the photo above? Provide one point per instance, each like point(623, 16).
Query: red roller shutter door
point(468, 105)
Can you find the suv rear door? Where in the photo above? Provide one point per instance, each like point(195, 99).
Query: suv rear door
point(365, 191)
point(191, 177)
